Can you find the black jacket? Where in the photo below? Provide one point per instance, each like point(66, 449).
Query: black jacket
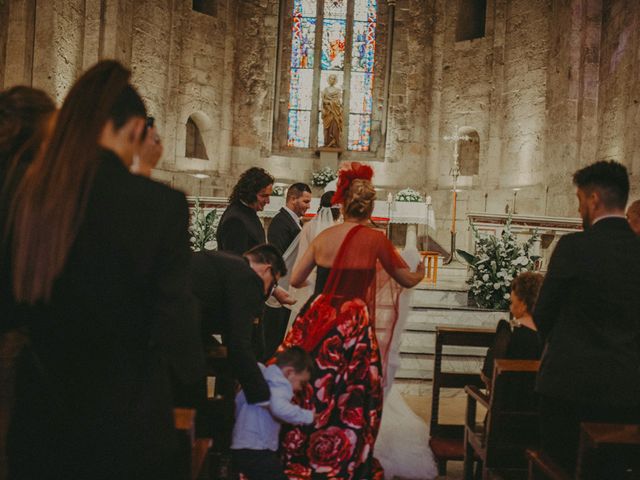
point(239, 229)
point(588, 315)
point(283, 229)
point(231, 298)
point(120, 324)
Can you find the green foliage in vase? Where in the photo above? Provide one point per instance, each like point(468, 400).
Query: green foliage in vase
point(203, 228)
point(497, 261)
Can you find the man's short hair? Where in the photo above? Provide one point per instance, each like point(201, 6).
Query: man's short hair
point(297, 189)
point(270, 255)
point(609, 178)
point(295, 357)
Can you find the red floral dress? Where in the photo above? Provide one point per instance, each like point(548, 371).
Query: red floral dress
point(346, 327)
point(345, 390)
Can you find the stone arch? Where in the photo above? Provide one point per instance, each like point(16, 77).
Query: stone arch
point(469, 152)
point(197, 126)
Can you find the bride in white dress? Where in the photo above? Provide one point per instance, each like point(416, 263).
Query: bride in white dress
point(402, 445)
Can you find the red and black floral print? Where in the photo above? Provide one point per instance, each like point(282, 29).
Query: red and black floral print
point(345, 390)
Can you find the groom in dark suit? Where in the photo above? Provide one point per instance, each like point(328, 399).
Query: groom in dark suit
point(284, 228)
point(588, 315)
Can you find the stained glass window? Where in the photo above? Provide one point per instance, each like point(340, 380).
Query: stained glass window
point(330, 20)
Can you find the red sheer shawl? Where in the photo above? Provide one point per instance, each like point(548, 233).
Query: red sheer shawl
point(359, 273)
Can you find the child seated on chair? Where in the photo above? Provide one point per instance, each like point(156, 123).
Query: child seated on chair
point(255, 434)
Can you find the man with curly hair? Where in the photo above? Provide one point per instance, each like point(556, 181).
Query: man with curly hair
point(240, 228)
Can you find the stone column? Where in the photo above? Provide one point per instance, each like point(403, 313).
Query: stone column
point(433, 151)
point(18, 63)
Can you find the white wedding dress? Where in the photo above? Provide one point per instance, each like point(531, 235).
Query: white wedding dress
point(402, 446)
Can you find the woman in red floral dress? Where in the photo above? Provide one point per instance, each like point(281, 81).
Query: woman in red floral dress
point(346, 325)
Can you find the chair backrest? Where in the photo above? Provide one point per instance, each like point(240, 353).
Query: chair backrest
point(454, 336)
point(512, 423)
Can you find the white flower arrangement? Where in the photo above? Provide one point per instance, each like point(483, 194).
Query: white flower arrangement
point(323, 176)
point(408, 195)
point(498, 260)
point(278, 191)
point(203, 228)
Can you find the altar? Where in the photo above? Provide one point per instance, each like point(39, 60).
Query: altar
point(550, 229)
point(411, 218)
point(415, 213)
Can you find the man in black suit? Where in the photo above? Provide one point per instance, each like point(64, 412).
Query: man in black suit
point(240, 228)
point(588, 315)
point(283, 230)
point(231, 291)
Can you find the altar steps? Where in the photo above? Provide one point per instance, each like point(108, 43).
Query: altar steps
point(443, 304)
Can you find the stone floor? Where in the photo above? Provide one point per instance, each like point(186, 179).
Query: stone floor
point(452, 409)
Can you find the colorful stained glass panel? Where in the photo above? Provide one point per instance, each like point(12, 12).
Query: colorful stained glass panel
point(333, 42)
point(305, 8)
point(335, 9)
point(363, 49)
point(302, 43)
point(364, 10)
point(361, 100)
point(301, 89)
point(298, 135)
point(359, 132)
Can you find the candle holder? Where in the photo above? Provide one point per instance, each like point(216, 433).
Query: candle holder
point(455, 173)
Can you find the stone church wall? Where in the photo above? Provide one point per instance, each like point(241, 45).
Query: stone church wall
point(619, 95)
point(552, 86)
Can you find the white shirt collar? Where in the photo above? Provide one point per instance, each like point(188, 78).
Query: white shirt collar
point(293, 215)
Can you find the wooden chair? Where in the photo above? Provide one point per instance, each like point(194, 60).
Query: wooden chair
point(605, 450)
point(447, 440)
point(511, 424)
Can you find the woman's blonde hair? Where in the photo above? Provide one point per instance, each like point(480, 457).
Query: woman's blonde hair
point(359, 199)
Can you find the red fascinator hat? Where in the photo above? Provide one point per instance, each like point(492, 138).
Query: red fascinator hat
point(347, 174)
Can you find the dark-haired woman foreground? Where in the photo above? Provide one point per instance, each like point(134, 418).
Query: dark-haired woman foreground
point(98, 262)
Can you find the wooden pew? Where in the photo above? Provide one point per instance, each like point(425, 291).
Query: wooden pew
point(447, 440)
point(214, 424)
point(511, 424)
point(606, 450)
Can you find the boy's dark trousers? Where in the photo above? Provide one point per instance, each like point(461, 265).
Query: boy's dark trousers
point(258, 464)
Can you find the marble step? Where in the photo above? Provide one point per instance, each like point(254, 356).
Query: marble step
point(444, 296)
point(428, 317)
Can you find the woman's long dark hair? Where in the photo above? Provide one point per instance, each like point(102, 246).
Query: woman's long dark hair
point(50, 202)
point(24, 116)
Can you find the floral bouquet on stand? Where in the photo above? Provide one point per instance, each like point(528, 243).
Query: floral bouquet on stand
point(497, 261)
point(203, 228)
point(323, 176)
point(408, 195)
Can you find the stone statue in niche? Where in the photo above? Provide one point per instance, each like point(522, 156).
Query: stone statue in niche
point(332, 117)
